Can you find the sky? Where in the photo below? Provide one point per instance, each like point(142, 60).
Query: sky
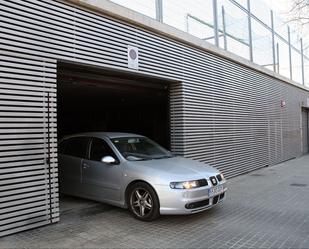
point(283, 7)
point(279, 5)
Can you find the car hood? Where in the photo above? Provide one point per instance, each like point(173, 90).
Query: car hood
point(175, 169)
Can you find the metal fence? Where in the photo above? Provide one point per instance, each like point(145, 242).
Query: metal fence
point(243, 27)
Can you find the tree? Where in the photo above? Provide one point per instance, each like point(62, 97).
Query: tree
point(300, 12)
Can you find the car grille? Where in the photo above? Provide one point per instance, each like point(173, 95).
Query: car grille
point(213, 180)
point(197, 204)
point(219, 178)
point(204, 203)
point(215, 200)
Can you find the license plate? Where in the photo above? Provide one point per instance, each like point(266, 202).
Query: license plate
point(215, 190)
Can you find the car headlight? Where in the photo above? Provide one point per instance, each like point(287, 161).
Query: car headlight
point(185, 185)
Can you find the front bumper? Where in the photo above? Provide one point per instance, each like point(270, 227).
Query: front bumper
point(187, 201)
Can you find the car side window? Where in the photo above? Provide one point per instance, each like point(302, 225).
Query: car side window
point(76, 147)
point(100, 149)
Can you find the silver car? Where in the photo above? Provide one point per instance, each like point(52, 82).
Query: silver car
point(132, 171)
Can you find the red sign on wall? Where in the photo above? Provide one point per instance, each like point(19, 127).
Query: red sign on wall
point(283, 103)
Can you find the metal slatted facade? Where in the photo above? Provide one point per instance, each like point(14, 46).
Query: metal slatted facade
point(28, 142)
point(221, 112)
point(305, 132)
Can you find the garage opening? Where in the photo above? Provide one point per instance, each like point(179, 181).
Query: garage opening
point(92, 99)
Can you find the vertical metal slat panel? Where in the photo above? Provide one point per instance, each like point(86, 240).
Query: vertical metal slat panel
point(28, 178)
point(305, 130)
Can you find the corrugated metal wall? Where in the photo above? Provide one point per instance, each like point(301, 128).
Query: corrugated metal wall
point(28, 142)
point(305, 130)
point(221, 113)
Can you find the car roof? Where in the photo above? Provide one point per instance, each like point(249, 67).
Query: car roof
point(103, 135)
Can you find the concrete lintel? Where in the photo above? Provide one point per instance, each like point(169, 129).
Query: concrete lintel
point(132, 17)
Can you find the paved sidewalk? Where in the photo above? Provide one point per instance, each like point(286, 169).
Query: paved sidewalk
point(268, 208)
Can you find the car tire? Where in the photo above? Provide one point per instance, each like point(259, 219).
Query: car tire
point(143, 202)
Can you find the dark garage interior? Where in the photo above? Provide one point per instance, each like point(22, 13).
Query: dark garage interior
point(92, 99)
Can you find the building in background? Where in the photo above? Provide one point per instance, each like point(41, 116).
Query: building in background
point(208, 79)
point(249, 27)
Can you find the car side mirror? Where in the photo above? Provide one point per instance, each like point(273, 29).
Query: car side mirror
point(108, 160)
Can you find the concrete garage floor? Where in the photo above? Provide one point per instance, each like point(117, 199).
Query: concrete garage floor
point(268, 208)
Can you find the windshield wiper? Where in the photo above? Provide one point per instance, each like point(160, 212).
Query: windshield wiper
point(138, 159)
point(162, 157)
point(144, 159)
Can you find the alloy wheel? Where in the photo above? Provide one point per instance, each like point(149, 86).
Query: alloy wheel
point(141, 202)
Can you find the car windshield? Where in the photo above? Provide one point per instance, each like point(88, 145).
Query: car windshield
point(140, 148)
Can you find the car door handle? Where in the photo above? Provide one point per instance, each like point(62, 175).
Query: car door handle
point(85, 166)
